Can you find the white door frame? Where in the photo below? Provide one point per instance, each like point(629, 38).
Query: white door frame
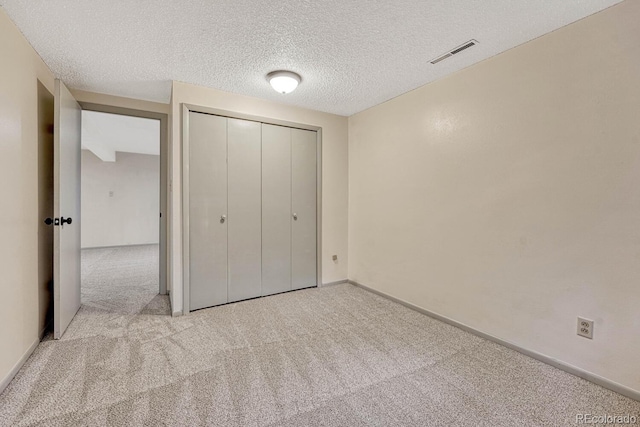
point(164, 173)
point(188, 108)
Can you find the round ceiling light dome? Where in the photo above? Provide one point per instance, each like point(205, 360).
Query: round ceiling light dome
point(284, 81)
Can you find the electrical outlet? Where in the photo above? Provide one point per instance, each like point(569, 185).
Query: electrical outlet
point(585, 328)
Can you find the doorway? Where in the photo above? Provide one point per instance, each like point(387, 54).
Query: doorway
point(123, 205)
point(64, 160)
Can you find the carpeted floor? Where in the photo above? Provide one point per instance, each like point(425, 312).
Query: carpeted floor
point(334, 356)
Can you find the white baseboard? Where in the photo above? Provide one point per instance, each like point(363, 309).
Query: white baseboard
point(337, 282)
point(574, 370)
point(12, 373)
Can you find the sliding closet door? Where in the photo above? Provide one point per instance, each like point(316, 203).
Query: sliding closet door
point(276, 209)
point(207, 210)
point(245, 210)
point(303, 206)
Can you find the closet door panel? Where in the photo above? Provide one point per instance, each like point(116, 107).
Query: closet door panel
point(245, 209)
point(303, 203)
point(276, 209)
point(207, 205)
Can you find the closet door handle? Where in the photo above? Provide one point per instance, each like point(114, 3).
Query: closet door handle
point(223, 218)
point(295, 216)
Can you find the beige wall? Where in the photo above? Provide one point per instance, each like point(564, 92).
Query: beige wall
point(507, 196)
point(23, 284)
point(120, 200)
point(334, 171)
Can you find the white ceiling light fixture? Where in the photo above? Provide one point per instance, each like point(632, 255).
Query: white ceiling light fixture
point(283, 81)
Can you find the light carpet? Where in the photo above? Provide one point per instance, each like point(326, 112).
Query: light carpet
point(333, 356)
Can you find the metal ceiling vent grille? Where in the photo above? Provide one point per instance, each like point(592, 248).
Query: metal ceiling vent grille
point(454, 51)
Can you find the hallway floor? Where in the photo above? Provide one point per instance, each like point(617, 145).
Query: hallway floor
point(333, 356)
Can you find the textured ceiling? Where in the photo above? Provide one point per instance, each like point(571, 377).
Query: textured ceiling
point(351, 54)
point(105, 134)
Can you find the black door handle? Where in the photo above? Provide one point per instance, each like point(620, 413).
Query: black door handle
point(56, 221)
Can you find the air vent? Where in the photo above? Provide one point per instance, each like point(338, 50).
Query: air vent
point(454, 51)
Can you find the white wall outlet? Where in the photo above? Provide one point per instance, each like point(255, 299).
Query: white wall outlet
point(585, 328)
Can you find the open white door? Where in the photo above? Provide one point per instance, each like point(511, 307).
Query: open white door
point(66, 209)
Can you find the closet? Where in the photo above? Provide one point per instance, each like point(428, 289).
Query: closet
point(252, 209)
